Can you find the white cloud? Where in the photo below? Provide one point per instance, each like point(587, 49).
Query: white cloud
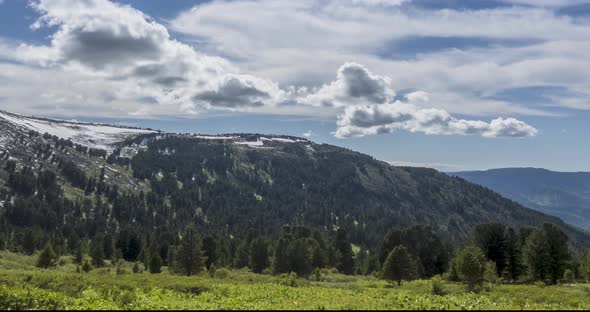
point(547, 3)
point(122, 47)
point(363, 120)
point(308, 134)
point(369, 109)
point(354, 84)
point(315, 37)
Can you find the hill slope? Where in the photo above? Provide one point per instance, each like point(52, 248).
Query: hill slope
point(237, 183)
point(563, 194)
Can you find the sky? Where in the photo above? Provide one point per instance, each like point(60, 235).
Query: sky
point(449, 84)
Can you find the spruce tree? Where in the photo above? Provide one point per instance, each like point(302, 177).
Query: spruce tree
point(514, 266)
point(242, 255)
point(281, 263)
point(97, 252)
point(189, 258)
point(344, 248)
point(155, 263)
point(399, 265)
point(210, 251)
point(585, 266)
point(299, 257)
point(258, 255)
point(546, 253)
point(47, 257)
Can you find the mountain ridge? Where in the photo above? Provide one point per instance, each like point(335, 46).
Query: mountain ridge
point(217, 181)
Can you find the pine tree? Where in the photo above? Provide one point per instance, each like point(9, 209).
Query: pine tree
point(344, 248)
point(470, 262)
point(491, 239)
point(210, 251)
point(47, 257)
point(242, 255)
point(258, 255)
point(155, 263)
point(585, 266)
point(299, 257)
point(109, 246)
point(399, 265)
point(79, 257)
point(29, 242)
point(189, 258)
point(97, 252)
point(514, 266)
point(281, 263)
point(546, 253)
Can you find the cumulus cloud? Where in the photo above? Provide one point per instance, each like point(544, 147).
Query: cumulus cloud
point(363, 120)
point(369, 109)
point(354, 84)
point(100, 38)
point(240, 91)
point(316, 37)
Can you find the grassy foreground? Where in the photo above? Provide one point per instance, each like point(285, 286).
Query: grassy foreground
point(24, 287)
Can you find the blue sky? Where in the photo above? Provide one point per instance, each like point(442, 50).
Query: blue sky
point(455, 85)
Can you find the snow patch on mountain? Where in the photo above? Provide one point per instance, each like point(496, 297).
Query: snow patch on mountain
point(91, 135)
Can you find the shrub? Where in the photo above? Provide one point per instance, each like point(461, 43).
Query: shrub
point(316, 275)
point(489, 273)
point(437, 286)
point(87, 267)
point(568, 276)
point(137, 268)
point(221, 273)
point(288, 279)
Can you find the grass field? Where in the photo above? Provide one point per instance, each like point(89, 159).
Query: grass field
point(22, 286)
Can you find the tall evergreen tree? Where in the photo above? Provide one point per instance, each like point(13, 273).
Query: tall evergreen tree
point(155, 263)
point(29, 242)
point(189, 257)
point(258, 255)
point(514, 266)
point(546, 253)
point(97, 252)
point(585, 266)
point(210, 251)
point(281, 263)
point(344, 248)
point(242, 255)
point(491, 239)
point(399, 265)
point(299, 257)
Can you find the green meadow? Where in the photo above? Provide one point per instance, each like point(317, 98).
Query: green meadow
point(23, 286)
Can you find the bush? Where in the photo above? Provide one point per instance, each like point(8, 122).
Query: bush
point(137, 268)
point(316, 275)
point(568, 276)
point(437, 286)
point(288, 279)
point(221, 273)
point(87, 267)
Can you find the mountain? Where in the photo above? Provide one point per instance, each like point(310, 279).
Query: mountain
point(562, 194)
point(69, 177)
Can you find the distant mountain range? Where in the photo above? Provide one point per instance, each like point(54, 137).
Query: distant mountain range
point(562, 194)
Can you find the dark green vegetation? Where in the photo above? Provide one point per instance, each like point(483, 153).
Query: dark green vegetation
point(289, 212)
point(562, 194)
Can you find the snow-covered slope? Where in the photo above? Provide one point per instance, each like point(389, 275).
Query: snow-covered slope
point(91, 135)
